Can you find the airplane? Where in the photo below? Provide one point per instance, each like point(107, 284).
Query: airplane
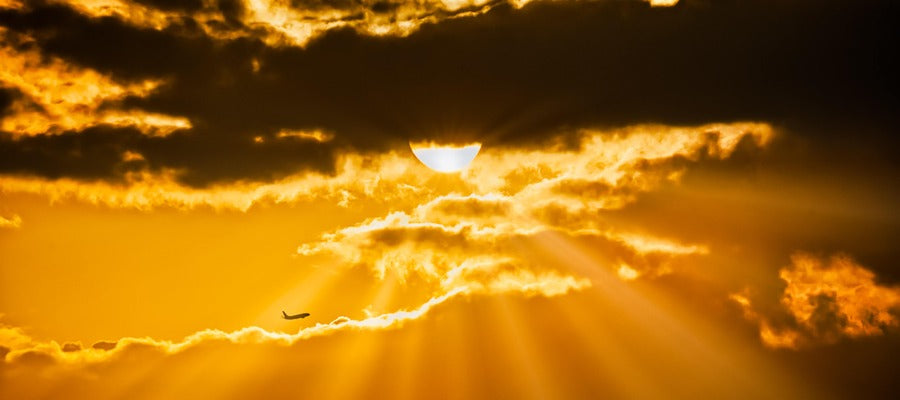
point(298, 316)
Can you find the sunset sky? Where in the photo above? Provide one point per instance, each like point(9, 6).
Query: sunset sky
point(486, 199)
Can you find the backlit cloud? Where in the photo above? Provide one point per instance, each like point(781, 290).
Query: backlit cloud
point(54, 96)
point(827, 299)
point(368, 93)
point(16, 345)
point(607, 171)
point(292, 23)
point(13, 221)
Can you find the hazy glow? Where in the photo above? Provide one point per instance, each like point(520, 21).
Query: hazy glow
point(445, 158)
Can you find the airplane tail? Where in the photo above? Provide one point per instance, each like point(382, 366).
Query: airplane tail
point(284, 313)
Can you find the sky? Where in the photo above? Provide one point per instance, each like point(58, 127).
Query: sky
point(471, 198)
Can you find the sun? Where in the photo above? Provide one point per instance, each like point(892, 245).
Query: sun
point(445, 158)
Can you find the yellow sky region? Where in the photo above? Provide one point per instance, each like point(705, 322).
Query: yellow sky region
point(88, 273)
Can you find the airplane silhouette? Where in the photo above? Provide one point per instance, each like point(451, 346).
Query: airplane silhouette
point(298, 316)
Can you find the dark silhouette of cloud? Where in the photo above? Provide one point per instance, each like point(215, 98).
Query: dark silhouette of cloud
point(508, 77)
point(174, 5)
point(7, 96)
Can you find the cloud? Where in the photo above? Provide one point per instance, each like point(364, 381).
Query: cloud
point(282, 22)
point(498, 218)
point(291, 22)
point(20, 347)
point(553, 177)
point(827, 300)
point(55, 97)
point(12, 222)
point(514, 77)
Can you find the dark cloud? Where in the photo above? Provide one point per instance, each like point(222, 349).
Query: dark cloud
point(95, 153)
point(174, 5)
point(509, 77)
point(7, 96)
point(98, 153)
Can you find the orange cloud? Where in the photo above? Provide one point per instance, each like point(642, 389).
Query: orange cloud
point(287, 23)
point(19, 343)
point(16, 344)
point(827, 299)
point(12, 222)
point(58, 97)
point(314, 135)
point(560, 185)
point(448, 239)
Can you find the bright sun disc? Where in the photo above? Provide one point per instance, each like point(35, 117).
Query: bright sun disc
point(445, 158)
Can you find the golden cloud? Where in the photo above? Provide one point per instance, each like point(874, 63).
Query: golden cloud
point(128, 11)
point(464, 233)
point(476, 241)
point(317, 135)
point(282, 23)
point(560, 184)
point(11, 4)
point(287, 23)
point(19, 343)
point(58, 97)
point(827, 299)
point(16, 344)
point(506, 207)
point(12, 222)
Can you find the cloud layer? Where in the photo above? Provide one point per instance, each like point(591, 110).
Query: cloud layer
point(509, 76)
